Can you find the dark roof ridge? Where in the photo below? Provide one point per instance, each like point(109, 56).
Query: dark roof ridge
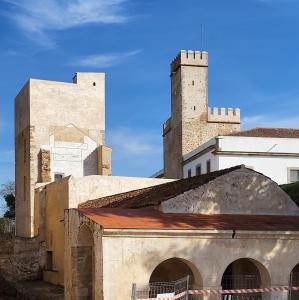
point(154, 195)
point(268, 132)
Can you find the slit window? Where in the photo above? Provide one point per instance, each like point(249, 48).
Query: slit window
point(208, 166)
point(198, 170)
point(49, 260)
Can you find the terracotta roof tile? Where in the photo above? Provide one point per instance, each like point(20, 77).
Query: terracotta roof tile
point(269, 132)
point(117, 218)
point(154, 195)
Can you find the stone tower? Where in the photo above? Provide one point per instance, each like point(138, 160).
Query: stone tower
point(192, 122)
point(59, 131)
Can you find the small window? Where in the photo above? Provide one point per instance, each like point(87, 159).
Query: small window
point(24, 188)
point(25, 151)
point(198, 170)
point(58, 176)
point(94, 84)
point(208, 166)
point(192, 82)
point(189, 173)
point(293, 175)
point(49, 260)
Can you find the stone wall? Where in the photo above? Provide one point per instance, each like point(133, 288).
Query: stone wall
point(192, 122)
point(45, 107)
point(44, 166)
point(242, 191)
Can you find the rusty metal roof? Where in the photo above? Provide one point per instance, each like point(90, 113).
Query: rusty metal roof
point(119, 218)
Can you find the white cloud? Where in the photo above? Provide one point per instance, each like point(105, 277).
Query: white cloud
point(36, 18)
point(128, 142)
point(104, 60)
point(263, 120)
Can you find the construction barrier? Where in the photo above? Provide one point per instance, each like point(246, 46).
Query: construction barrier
point(223, 292)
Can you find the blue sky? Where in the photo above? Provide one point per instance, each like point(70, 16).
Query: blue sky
point(253, 63)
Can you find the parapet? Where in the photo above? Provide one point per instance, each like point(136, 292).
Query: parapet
point(189, 58)
point(90, 79)
point(224, 115)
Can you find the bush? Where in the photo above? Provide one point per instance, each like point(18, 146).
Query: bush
point(292, 189)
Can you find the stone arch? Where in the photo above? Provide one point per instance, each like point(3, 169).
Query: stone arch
point(294, 282)
point(245, 273)
point(176, 268)
point(83, 264)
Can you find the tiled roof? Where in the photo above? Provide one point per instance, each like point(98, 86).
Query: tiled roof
point(154, 195)
point(269, 132)
point(118, 218)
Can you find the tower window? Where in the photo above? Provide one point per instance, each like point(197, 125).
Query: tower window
point(198, 170)
point(194, 107)
point(208, 166)
point(49, 260)
point(192, 82)
point(58, 176)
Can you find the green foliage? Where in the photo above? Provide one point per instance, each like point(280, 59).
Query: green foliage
point(11, 205)
point(292, 189)
point(7, 191)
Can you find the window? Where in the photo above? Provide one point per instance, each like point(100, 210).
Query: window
point(189, 173)
point(208, 166)
point(94, 84)
point(49, 260)
point(198, 170)
point(25, 151)
point(58, 176)
point(293, 175)
point(24, 189)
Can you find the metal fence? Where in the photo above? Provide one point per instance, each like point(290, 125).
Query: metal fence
point(160, 290)
point(7, 225)
point(235, 288)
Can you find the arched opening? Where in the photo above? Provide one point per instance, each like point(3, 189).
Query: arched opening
point(294, 282)
point(245, 273)
point(173, 276)
point(82, 257)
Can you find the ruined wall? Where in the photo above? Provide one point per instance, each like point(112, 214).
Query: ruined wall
point(104, 160)
point(44, 159)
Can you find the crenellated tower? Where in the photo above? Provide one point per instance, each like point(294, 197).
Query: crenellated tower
point(192, 122)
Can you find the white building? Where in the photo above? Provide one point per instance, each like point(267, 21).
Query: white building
point(271, 151)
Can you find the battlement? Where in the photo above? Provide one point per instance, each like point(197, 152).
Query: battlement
point(223, 115)
point(189, 58)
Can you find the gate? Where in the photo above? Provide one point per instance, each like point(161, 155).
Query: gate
point(162, 290)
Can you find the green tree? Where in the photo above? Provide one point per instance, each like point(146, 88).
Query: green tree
point(7, 191)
